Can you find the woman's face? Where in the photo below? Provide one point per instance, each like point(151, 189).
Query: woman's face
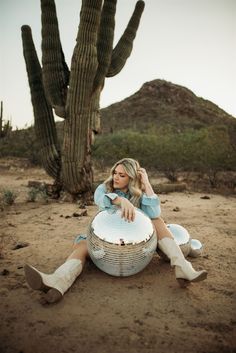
point(120, 178)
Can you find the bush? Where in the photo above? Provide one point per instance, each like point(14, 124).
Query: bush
point(21, 144)
point(8, 197)
point(207, 150)
point(32, 194)
point(214, 153)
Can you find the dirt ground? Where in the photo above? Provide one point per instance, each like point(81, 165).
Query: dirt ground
point(145, 313)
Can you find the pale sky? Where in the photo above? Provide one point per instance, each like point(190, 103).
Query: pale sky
point(188, 42)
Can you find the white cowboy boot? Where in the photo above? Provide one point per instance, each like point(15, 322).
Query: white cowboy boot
point(55, 284)
point(184, 271)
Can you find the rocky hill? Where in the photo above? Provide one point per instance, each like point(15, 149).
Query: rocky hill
point(160, 103)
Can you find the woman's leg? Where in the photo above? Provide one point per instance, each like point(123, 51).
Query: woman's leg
point(184, 271)
point(80, 251)
point(57, 283)
point(161, 229)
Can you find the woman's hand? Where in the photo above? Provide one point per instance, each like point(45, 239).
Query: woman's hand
point(146, 186)
point(143, 176)
point(127, 210)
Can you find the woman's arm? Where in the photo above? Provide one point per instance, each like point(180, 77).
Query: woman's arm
point(102, 198)
point(127, 208)
point(145, 182)
point(106, 200)
point(150, 202)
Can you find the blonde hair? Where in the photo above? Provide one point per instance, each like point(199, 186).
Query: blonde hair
point(131, 167)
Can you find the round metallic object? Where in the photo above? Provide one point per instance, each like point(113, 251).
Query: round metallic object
point(182, 237)
point(196, 248)
point(119, 247)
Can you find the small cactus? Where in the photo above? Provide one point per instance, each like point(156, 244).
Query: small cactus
point(5, 127)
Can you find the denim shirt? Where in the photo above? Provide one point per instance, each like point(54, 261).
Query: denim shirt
point(150, 205)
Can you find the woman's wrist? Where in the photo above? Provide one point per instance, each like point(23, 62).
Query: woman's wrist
point(148, 189)
point(117, 201)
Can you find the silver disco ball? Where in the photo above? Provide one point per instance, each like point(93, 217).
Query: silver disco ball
point(190, 247)
point(196, 248)
point(181, 237)
point(118, 247)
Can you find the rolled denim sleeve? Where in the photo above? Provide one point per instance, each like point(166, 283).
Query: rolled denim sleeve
point(151, 206)
point(103, 199)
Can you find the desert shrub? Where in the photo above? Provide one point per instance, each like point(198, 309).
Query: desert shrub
point(32, 194)
point(44, 196)
point(21, 144)
point(213, 153)
point(207, 150)
point(165, 153)
point(166, 149)
point(112, 147)
point(8, 197)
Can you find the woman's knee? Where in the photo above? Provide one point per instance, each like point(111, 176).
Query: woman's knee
point(158, 221)
point(81, 246)
point(161, 228)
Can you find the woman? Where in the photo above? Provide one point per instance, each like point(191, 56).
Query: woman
point(127, 187)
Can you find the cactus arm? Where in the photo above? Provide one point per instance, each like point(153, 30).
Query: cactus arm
point(76, 155)
point(84, 60)
point(95, 116)
point(55, 70)
point(124, 47)
point(105, 41)
point(44, 121)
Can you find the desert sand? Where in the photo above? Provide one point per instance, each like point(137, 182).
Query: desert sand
point(145, 313)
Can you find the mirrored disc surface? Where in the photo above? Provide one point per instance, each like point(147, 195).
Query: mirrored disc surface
point(181, 235)
point(114, 229)
point(196, 248)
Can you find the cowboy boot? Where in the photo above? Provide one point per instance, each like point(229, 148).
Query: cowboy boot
point(55, 284)
point(184, 271)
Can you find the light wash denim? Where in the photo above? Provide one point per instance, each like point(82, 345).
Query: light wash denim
point(150, 205)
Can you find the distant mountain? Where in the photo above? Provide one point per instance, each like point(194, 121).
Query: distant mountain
point(160, 103)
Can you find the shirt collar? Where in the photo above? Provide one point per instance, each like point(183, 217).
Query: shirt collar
point(121, 193)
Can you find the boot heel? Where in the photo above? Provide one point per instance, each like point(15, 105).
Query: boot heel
point(34, 279)
point(201, 277)
point(53, 296)
point(183, 283)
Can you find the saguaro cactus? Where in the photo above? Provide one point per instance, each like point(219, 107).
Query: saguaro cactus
point(5, 127)
point(74, 95)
